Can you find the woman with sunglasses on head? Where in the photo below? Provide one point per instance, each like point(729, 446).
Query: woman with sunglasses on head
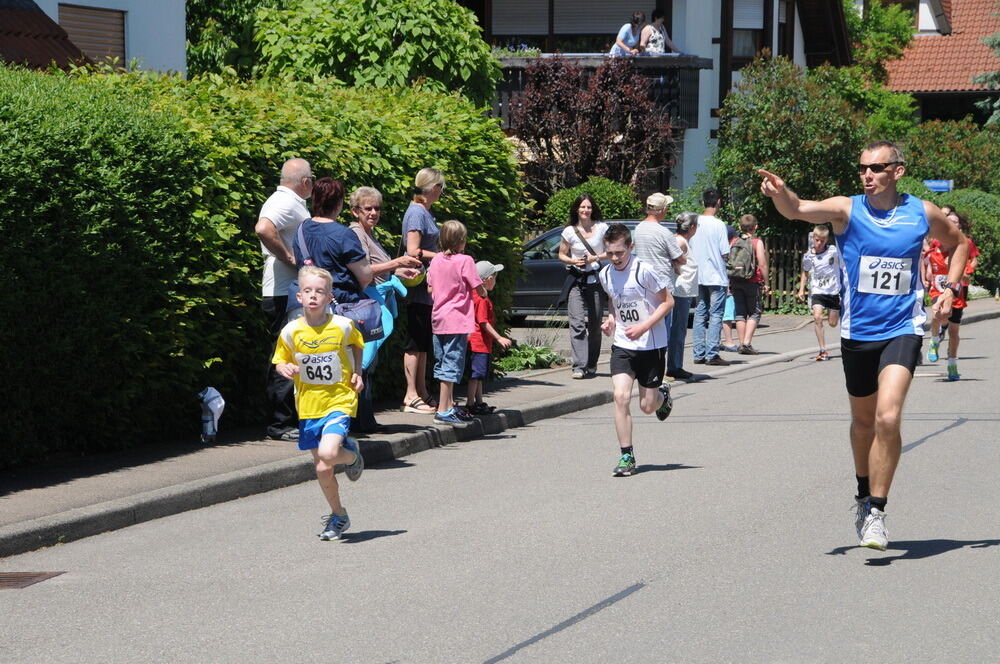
point(938, 263)
point(627, 41)
point(420, 241)
point(366, 206)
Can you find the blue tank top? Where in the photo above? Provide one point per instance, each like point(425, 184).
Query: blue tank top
point(882, 293)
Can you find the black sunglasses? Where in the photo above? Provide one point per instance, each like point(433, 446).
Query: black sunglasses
point(876, 167)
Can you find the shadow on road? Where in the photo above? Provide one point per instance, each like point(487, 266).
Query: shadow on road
point(366, 535)
point(652, 467)
point(919, 549)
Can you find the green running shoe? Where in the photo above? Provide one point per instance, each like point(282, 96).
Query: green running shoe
point(625, 467)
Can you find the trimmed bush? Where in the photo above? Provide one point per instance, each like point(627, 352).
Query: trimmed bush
point(958, 150)
point(617, 201)
point(379, 43)
point(142, 192)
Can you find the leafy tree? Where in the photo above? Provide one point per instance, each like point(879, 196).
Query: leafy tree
point(221, 34)
point(958, 150)
point(777, 118)
point(888, 115)
point(992, 81)
point(878, 36)
point(379, 43)
point(572, 127)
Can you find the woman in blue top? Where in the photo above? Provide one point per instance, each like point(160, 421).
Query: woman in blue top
point(627, 41)
point(420, 237)
point(880, 235)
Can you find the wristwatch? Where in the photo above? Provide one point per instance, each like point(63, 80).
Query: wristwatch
point(954, 287)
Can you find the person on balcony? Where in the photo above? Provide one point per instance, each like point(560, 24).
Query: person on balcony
point(654, 40)
point(627, 41)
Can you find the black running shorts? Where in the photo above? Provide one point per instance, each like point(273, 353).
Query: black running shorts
point(646, 366)
point(864, 360)
point(829, 302)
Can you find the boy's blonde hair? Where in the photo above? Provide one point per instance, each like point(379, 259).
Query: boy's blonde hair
point(822, 231)
point(453, 236)
point(313, 271)
point(747, 223)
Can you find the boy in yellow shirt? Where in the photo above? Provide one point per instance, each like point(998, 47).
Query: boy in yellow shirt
point(321, 352)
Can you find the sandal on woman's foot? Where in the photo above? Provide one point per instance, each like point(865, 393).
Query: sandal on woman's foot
point(432, 402)
point(418, 405)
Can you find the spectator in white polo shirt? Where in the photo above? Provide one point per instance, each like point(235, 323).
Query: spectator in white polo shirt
point(278, 221)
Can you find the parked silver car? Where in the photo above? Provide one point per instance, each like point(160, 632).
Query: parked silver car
point(539, 285)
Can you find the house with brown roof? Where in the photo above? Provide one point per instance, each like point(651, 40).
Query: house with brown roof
point(946, 53)
point(38, 32)
point(29, 37)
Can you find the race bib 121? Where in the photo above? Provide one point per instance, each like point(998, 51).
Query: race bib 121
point(883, 275)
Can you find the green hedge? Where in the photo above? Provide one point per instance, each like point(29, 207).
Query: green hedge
point(139, 194)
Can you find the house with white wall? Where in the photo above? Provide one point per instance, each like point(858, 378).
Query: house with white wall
point(151, 32)
point(729, 33)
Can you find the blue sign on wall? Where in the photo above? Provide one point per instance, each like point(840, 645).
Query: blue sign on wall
point(939, 185)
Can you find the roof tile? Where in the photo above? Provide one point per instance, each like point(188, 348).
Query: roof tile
point(947, 63)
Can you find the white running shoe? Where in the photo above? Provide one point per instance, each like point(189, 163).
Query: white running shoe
point(873, 532)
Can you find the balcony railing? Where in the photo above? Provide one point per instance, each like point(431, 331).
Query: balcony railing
point(674, 81)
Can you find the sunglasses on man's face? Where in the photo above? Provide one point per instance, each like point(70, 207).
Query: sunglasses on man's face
point(876, 167)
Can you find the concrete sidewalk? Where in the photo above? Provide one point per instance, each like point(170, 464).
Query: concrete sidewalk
point(42, 506)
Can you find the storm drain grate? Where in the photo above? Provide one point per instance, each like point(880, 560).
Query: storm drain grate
point(16, 580)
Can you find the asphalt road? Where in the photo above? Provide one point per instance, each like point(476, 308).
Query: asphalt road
point(734, 543)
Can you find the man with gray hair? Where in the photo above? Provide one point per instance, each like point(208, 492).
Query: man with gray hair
point(279, 219)
point(656, 246)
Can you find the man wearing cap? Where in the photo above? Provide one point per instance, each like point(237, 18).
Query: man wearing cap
point(277, 223)
point(656, 246)
point(482, 338)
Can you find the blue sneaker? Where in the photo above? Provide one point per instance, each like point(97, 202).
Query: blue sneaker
point(449, 417)
point(354, 470)
point(334, 526)
point(932, 350)
point(953, 371)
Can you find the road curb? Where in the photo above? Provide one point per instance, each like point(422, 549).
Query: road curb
point(120, 513)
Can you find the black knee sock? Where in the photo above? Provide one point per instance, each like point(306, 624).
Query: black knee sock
point(863, 489)
point(626, 450)
point(878, 502)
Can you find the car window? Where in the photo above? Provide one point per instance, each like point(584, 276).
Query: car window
point(547, 247)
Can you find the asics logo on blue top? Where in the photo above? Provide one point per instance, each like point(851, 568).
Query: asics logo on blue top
point(887, 264)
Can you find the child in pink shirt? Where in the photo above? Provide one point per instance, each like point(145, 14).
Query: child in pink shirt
point(451, 278)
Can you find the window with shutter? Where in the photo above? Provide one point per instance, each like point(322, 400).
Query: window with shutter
point(99, 33)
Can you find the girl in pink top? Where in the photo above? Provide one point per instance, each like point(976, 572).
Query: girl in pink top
point(451, 278)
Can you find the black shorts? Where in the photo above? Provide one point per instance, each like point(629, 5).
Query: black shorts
point(747, 301)
point(418, 328)
point(829, 302)
point(646, 366)
point(956, 314)
point(864, 360)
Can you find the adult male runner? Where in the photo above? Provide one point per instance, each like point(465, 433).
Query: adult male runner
point(880, 234)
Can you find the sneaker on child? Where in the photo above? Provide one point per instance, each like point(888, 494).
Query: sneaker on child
point(334, 525)
point(625, 466)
